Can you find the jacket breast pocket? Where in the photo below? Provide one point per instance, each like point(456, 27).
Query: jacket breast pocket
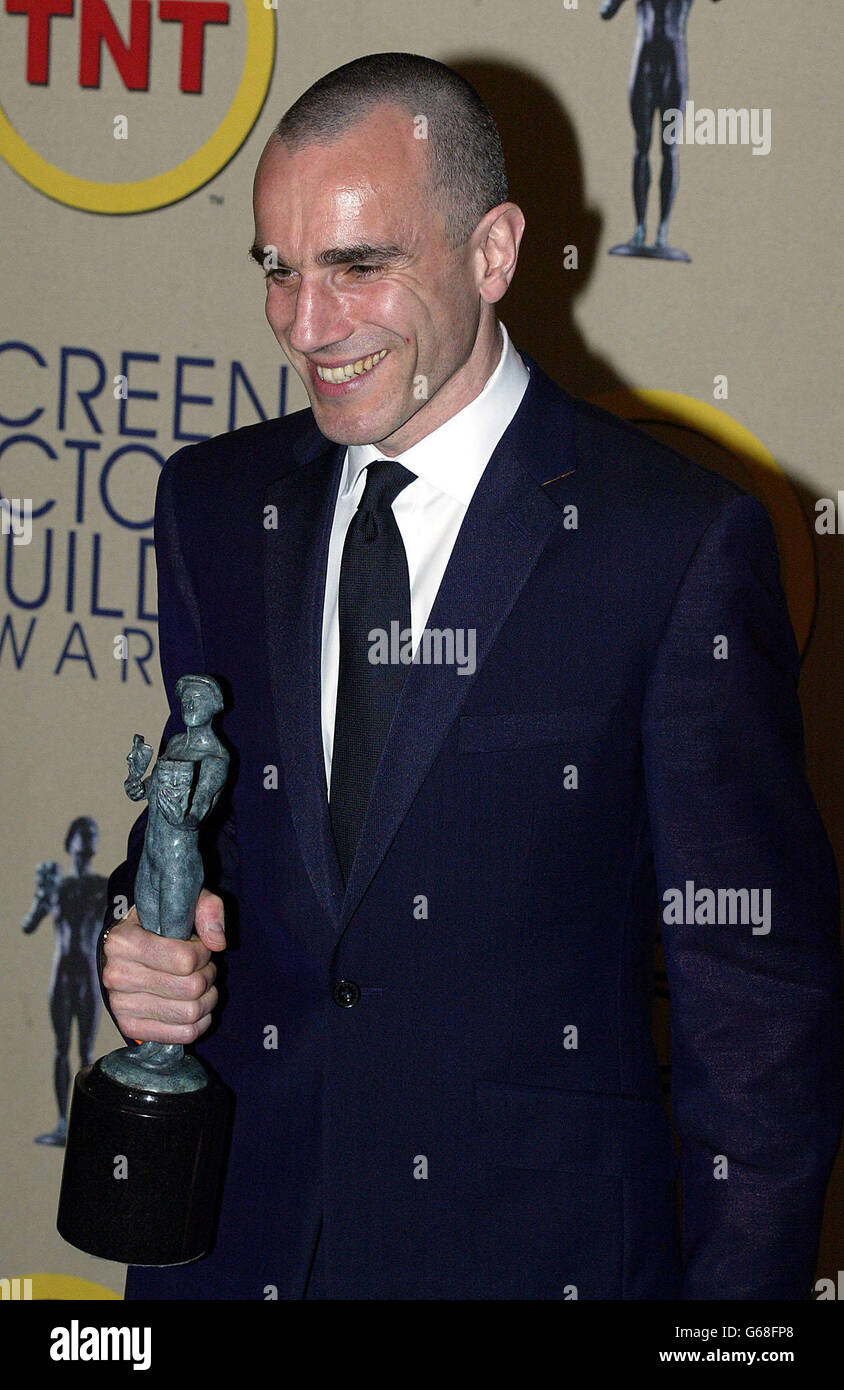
point(546, 1129)
point(483, 733)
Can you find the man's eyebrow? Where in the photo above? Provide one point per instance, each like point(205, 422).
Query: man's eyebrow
point(341, 255)
point(348, 255)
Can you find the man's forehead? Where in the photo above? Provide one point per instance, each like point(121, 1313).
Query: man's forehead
point(341, 225)
point(372, 163)
point(368, 187)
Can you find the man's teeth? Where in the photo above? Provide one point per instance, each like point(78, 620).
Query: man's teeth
point(351, 369)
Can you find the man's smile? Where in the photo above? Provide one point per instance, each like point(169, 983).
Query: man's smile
point(340, 378)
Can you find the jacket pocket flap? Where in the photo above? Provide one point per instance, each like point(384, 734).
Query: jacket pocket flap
point(537, 1127)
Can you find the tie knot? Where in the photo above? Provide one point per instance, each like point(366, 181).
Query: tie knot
point(385, 479)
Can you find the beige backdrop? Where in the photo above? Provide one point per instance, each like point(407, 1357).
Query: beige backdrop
point(757, 305)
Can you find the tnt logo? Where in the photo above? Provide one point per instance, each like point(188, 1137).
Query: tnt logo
point(129, 105)
point(15, 1289)
point(98, 29)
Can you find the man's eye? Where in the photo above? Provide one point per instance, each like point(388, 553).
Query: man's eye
point(282, 276)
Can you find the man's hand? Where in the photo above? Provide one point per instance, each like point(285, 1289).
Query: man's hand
point(161, 989)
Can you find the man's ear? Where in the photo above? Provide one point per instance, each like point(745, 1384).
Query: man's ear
point(498, 234)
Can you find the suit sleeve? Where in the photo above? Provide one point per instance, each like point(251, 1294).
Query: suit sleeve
point(756, 1005)
point(181, 651)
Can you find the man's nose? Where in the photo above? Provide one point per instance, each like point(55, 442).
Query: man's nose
point(319, 318)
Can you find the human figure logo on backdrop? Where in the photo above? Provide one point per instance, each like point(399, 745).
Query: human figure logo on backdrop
point(77, 903)
point(659, 82)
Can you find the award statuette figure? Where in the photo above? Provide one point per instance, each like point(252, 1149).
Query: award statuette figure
point(658, 83)
point(146, 1138)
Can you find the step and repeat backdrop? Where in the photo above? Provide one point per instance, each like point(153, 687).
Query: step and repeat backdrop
point(703, 306)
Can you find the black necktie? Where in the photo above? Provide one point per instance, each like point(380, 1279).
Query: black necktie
point(374, 592)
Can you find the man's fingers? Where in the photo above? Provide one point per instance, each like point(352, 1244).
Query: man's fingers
point(127, 940)
point(161, 989)
point(133, 977)
point(135, 1011)
point(152, 1030)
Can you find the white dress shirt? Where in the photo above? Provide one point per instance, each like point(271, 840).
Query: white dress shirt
point(429, 512)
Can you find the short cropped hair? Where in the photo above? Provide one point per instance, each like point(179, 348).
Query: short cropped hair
point(467, 175)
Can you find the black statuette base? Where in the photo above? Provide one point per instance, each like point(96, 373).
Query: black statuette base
point(170, 1150)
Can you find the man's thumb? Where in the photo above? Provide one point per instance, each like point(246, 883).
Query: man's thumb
point(209, 921)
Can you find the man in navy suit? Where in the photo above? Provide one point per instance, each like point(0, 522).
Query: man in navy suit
point(578, 710)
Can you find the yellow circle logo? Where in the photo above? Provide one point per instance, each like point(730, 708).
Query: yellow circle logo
point(143, 195)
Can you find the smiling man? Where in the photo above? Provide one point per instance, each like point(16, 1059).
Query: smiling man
point(382, 303)
point(448, 881)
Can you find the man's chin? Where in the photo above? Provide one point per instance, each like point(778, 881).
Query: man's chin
point(342, 427)
point(344, 434)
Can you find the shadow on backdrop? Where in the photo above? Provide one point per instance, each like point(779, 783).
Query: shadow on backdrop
point(545, 169)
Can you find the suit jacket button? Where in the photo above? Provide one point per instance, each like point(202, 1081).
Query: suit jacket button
point(346, 993)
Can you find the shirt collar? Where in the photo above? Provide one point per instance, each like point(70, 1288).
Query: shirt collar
point(453, 456)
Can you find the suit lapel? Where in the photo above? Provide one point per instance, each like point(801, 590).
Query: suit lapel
point(295, 559)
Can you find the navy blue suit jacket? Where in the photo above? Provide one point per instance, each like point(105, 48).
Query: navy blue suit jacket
point(487, 1121)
